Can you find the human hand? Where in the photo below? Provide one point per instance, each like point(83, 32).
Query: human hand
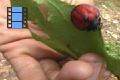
point(33, 60)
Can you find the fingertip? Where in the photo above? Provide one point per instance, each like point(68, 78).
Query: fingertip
point(75, 70)
point(77, 2)
point(93, 57)
point(107, 75)
point(90, 2)
point(97, 62)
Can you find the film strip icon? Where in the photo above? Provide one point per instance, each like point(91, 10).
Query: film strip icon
point(17, 17)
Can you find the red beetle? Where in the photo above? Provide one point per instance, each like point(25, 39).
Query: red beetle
point(86, 17)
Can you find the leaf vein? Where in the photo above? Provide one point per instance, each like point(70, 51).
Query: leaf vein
point(58, 10)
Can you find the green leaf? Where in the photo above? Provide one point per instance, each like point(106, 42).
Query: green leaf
point(60, 28)
point(65, 38)
point(55, 45)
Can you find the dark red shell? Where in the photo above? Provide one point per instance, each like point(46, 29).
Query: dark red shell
point(85, 17)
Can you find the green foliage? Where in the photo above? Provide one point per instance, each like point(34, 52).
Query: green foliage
point(108, 4)
point(65, 38)
point(113, 48)
point(118, 3)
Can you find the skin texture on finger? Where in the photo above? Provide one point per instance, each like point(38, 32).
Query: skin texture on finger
point(75, 70)
point(93, 60)
point(22, 51)
point(11, 35)
point(24, 58)
point(98, 64)
point(106, 75)
point(15, 40)
point(3, 8)
point(77, 2)
point(27, 68)
point(3, 12)
point(50, 67)
point(29, 47)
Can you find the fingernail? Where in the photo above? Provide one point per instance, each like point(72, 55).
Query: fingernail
point(106, 75)
point(98, 68)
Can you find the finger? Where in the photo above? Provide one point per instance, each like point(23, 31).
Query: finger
point(75, 70)
point(106, 75)
point(98, 64)
point(11, 35)
point(3, 8)
point(30, 47)
point(50, 68)
point(27, 68)
point(77, 2)
point(3, 12)
point(65, 60)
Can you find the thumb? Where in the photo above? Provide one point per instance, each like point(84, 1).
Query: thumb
point(98, 64)
point(77, 2)
point(75, 70)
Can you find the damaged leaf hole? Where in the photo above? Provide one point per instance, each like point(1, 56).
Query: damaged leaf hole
point(44, 9)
